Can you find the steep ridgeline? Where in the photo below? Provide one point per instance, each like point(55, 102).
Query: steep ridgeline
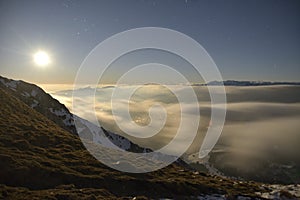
point(90, 131)
point(41, 101)
point(44, 103)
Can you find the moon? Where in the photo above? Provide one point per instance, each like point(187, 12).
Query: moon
point(41, 58)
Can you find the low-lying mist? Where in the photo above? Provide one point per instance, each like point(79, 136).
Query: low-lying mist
point(262, 122)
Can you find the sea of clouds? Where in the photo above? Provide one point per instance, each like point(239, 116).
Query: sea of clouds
point(261, 121)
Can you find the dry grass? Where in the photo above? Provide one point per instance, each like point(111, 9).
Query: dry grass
point(40, 160)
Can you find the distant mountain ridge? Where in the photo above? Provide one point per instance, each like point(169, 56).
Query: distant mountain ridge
point(246, 83)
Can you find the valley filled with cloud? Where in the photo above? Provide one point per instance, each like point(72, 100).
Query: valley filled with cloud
point(261, 121)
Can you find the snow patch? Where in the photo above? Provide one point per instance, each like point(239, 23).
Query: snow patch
point(34, 104)
point(68, 121)
point(276, 188)
point(34, 93)
point(12, 84)
point(85, 127)
point(99, 136)
point(25, 94)
point(122, 142)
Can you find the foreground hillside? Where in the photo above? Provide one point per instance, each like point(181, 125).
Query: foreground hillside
point(52, 109)
point(40, 160)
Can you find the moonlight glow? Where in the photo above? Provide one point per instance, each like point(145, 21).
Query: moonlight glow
point(41, 58)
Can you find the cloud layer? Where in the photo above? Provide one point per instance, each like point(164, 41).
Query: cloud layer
point(260, 120)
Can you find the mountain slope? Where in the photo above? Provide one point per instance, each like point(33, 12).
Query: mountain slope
point(41, 160)
point(39, 155)
point(42, 102)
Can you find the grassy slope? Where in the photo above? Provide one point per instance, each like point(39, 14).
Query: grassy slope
point(40, 159)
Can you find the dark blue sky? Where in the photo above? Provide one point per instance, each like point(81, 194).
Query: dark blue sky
point(248, 40)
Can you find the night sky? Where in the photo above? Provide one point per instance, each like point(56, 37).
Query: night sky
point(248, 40)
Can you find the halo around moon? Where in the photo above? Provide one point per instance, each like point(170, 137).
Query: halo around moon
point(41, 58)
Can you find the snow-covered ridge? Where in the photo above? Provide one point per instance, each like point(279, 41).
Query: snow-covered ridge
point(86, 128)
point(11, 84)
point(67, 116)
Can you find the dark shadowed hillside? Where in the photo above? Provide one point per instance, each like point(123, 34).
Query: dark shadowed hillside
point(42, 102)
point(41, 160)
